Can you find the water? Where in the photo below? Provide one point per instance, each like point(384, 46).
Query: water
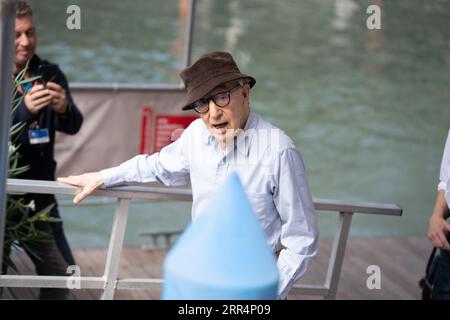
point(368, 109)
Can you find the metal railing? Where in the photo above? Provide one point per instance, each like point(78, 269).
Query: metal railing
point(167, 235)
point(110, 282)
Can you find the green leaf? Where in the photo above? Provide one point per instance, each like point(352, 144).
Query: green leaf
point(31, 79)
point(43, 214)
point(31, 251)
point(16, 128)
point(20, 227)
point(9, 262)
point(21, 74)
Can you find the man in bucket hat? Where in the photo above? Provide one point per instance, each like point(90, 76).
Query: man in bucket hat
point(230, 137)
point(214, 78)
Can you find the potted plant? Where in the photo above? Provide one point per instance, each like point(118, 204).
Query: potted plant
point(20, 228)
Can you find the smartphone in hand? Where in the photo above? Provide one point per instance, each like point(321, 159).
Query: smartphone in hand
point(48, 72)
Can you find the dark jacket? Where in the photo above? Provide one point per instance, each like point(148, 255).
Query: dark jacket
point(40, 157)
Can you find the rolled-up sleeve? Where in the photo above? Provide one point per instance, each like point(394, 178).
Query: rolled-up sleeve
point(299, 232)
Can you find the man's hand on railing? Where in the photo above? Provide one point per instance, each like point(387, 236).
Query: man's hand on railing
point(88, 182)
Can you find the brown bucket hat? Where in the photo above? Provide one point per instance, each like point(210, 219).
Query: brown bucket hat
point(209, 71)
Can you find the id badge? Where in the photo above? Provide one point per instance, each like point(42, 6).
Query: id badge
point(37, 136)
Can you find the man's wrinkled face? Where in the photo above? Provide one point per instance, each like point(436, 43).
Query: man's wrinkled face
point(223, 122)
point(25, 41)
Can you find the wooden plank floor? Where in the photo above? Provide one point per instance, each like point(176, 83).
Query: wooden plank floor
point(401, 261)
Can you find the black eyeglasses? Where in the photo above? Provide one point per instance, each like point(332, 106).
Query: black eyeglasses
point(221, 99)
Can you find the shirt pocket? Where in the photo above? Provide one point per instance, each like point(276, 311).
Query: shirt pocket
point(262, 206)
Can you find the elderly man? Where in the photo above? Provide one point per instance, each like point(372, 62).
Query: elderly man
point(229, 136)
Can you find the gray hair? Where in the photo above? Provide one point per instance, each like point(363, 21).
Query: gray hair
point(23, 9)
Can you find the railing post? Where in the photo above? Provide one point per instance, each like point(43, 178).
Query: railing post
point(115, 248)
point(189, 34)
point(337, 254)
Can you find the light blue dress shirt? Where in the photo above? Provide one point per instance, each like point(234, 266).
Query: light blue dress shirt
point(271, 170)
point(444, 173)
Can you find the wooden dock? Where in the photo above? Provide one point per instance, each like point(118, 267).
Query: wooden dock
point(401, 261)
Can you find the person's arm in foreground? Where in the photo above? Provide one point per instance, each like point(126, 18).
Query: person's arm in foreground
point(438, 226)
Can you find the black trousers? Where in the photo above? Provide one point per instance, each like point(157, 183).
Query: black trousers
point(54, 256)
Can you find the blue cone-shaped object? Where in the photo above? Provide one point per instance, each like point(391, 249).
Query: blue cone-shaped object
point(223, 254)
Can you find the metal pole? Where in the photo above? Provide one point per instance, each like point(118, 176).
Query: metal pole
point(7, 22)
point(337, 254)
point(115, 248)
point(188, 35)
